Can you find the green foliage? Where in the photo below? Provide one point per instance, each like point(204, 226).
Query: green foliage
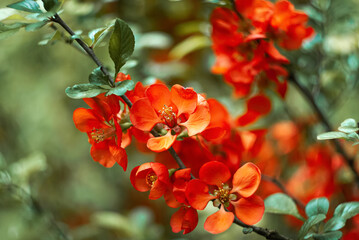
point(348, 129)
point(7, 30)
point(190, 45)
point(98, 78)
point(121, 88)
point(317, 206)
point(122, 44)
point(247, 230)
point(26, 6)
point(309, 223)
point(49, 5)
point(35, 26)
point(280, 203)
point(86, 90)
point(97, 35)
point(325, 236)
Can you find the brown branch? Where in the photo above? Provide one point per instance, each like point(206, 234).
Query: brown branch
point(268, 234)
point(307, 94)
point(283, 189)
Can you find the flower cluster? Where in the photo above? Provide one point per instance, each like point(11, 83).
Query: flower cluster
point(243, 42)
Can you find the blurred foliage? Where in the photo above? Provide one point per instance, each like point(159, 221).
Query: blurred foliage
point(43, 153)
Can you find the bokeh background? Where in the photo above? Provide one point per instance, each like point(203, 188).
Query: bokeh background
point(43, 155)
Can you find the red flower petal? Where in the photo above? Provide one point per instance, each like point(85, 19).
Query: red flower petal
point(160, 144)
point(256, 106)
point(214, 173)
point(143, 116)
point(197, 194)
point(197, 121)
point(138, 177)
point(219, 221)
point(249, 210)
point(159, 96)
point(185, 99)
point(119, 154)
point(87, 119)
point(170, 199)
point(246, 180)
point(100, 153)
point(184, 219)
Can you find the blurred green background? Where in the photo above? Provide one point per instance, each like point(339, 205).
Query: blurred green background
point(42, 152)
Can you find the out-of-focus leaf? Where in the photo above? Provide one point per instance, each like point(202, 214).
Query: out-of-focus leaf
point(55, 36)
point(7, 30)
point(113, 221)
point(247, 230)
point(121, 88)
point(157, 40)
point(309, 223)
point(331, 135)
point(26, 6)
point(35, 26)
point(122, 44)
point(334, 224)
point(86, 90)
point(317, 206)
point(280, 203)
point(98, 78)
point(189, 45)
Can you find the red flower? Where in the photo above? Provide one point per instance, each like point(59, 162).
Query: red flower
point(257, 106)
point(289, 25)
point(176, 110)
point(101, 123)
point(151, 177)
point(237, 196)
point(186, 218)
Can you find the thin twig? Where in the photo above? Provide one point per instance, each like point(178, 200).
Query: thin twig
point(283, 189)
point(269, 234)
point(349, 160)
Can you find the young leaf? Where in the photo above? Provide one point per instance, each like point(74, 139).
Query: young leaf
point(349, 123)
point(97, 35)
point(34, 26)
point(86, 90)
point(26, 6)
point(334, 224)
point(122, 44)
point(331, 135)
point(7, 30)
point(317, 206)
point(190, 45)
point(347, 210)
point(309, 223)
point(280, 203)
point(121, 88)
point(98, 78)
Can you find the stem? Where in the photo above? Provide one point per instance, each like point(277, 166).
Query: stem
point(307, 94)
point(269, 234)
point(283, 189)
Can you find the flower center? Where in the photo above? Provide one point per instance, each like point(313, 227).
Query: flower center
point(151, 178)
point(222, 195)
point(168, 116)
point(103, 133)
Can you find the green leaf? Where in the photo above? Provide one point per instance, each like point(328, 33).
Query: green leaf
point(347, 210)
point(26, 6)
point(97, 35)
point(334, 224)
point(280, 203)
point(247, 230)
point(53, 38)
point(328, 236)
point(121, 88)
point(309, 223)
point(86, 90)
point(35, 26)
point(50, 4)
point(7, 30)
point(317, 206)
point(331, 135)
point(98, 78)
point(349, 126)
point(122, 44)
